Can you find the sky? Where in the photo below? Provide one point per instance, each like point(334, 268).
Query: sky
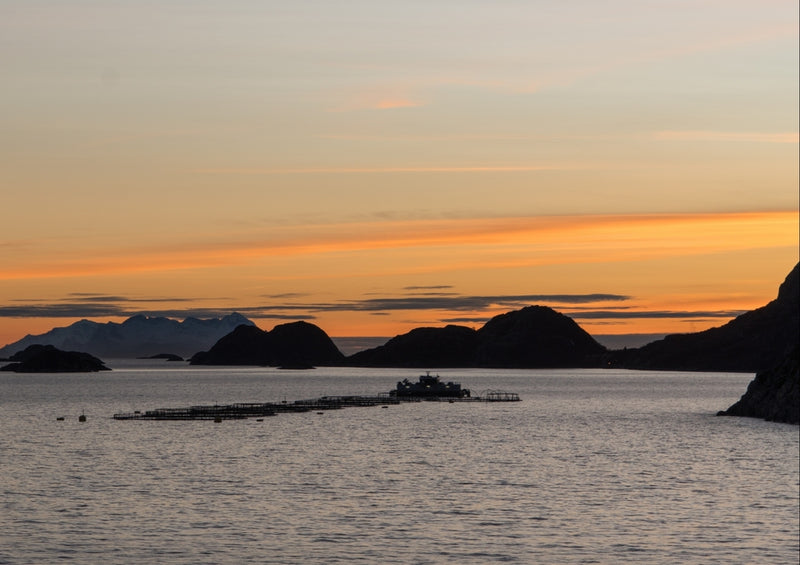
point(372, 167)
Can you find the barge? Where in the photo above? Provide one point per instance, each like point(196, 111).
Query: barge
point(429, 386)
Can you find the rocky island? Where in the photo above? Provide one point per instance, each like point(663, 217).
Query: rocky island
point(291, 345)
point(532, 337)
point(48, 359)
point(164, 356)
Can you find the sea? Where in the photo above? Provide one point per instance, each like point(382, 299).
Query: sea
point(591, 466)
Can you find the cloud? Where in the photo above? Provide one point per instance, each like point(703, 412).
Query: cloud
point(748, 136)
point(471, 320)
point(67, 310)
point(380, 97)
point(93, 306)
point(465, 303)
point(392, 103)
point(439, 244)
point(83, 310)
point(476, 309)
point(89, 297)
point(654, 314)
point(383, 170)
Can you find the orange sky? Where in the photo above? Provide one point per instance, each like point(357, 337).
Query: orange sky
point(376, 167)
point(688, 271)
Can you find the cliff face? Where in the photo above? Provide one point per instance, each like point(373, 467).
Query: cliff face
point(297, 343)
point(752, 342)
point(533, 337)
point(773, 395)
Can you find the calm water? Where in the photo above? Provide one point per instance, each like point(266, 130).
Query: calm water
point(591, 467)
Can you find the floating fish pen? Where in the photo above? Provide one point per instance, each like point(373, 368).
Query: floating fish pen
point(241, 411)
point(499, 396)
point(213, 412)
point(450, 392)
point(334, 402)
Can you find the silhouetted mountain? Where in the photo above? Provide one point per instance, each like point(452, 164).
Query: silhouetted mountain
point(48, 359)
point(294, 344)
point(534, 337)
point(137, 336)
point(755, 341)
point(451, 346)
point(773, 395)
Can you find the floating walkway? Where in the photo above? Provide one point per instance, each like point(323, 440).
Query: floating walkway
point(219, 412)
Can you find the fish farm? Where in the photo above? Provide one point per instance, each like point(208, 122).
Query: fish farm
point(429, 389)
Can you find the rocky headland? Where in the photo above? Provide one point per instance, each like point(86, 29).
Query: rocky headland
point(752, 342)
point(48, 359)
point(773, 395)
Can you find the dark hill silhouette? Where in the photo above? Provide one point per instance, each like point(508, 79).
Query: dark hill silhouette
point(536, 336)
point(755, 341)
point(451, 346)
point(47, 359)
point(533, 337)
point(773, 395)
point(293, 344)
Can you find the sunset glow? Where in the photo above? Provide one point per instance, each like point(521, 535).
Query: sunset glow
point(383, 166)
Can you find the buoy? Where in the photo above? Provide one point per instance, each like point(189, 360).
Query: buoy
point(82, 418)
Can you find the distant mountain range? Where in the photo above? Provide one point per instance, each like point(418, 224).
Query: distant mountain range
point(137, 336)
point(533, 337)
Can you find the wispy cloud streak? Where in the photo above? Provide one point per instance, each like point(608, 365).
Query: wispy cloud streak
point(384, 170)
point(439, 245)
point(752, 137)
point(654, 314)
point(120, 306)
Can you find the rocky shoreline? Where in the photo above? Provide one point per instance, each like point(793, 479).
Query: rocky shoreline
point(773, 395)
